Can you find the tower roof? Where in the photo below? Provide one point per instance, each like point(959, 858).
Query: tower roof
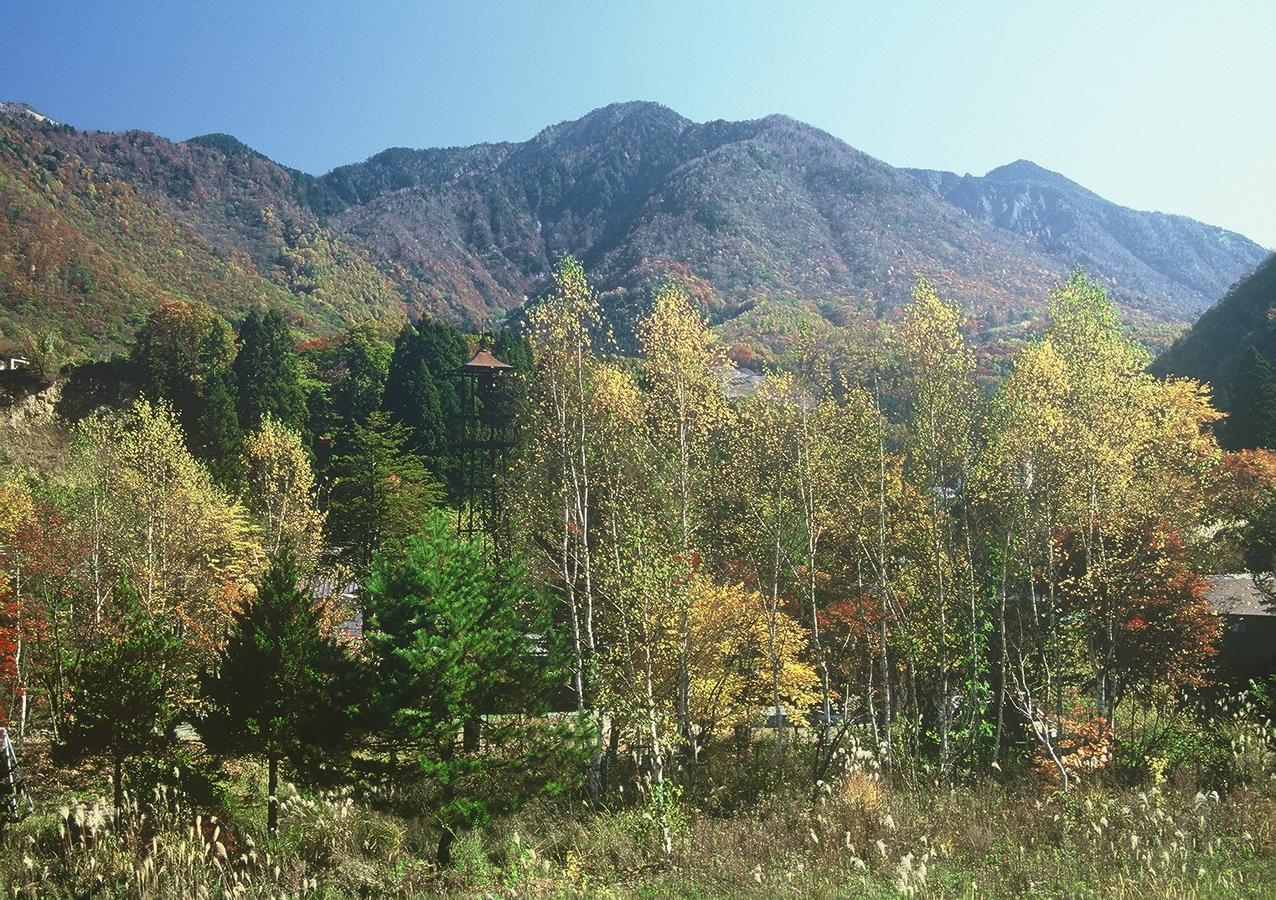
point(483, 361)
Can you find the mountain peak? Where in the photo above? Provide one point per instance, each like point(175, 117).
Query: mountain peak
point(227, 144)
point(1173, 258)
point(642, 114)
point(1025, 170)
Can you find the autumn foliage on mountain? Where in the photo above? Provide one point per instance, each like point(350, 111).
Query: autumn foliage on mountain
point(769, 224)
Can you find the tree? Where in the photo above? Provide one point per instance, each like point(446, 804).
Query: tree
point(685, 407)
point(732, 634)
point(1086, 451)
point(124, 692)
point(280, 492)
point(1150, 623)
point(184, 354)
point(451, 634)
point(764, 515)
point(344, 380)
point(380, 491)
point(217, 439)
point(355, 368)
point(940, 449)
point(281, 687)
point(420, 392)
point(267, 372)
point(562, 330)
point(1253, 419)
point(151, 513)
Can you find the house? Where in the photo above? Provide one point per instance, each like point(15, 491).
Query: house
point(344, 594)
point(1248, 648)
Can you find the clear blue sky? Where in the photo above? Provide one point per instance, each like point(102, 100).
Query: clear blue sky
point(1158, 105)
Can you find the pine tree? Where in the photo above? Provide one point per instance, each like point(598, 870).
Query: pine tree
point(381, 491)
point(123, 698)
point(449, 633)
point(420, 391)
point(217, 438)
point(267, 372)
point(281, 688)
point(1253, 419)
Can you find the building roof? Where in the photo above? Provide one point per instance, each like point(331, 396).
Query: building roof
point(1237, 595)
point(483, 361)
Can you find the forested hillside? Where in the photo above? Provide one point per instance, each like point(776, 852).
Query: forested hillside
point(99, 229)
point(1214, 347)
point(756, 219)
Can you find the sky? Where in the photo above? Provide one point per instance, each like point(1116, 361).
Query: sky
point(1156, 105)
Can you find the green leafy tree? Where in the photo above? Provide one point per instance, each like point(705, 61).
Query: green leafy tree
point(1253, 419)
point(184, 354)
point(357, 368)
point(124, 688)
point(380, 491)
point(267, 372)
point(460, 649)
point(281, 687)
point(344, 382)
point(510, 400)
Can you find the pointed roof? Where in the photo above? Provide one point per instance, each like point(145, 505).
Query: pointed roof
point(483, 361)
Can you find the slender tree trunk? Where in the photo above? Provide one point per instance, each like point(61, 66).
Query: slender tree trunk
point(117, 782)
point(609, 761)
point(272, 794)
point(774, 650)
point(569, 587)
point(447, 836)
point(882, 585)
point(657, 756)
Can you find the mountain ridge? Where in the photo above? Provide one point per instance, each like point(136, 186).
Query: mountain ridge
point(741, 212)
point(1190, 262)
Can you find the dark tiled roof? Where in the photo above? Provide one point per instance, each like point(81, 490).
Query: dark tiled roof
point(1237, 595)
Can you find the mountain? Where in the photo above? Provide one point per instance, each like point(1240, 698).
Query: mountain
point(1186, 262)
point(1213, 348)
point(746, 210)
point(97, 229)
point(770, 223)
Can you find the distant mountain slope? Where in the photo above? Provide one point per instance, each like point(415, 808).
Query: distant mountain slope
point(99, 228)
point(1188, 263)
point(763, 220)
point(1213, 348)
point(755, 209)
point(83, 257)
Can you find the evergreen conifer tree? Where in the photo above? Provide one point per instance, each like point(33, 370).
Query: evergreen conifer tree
point(267, 372)
point(1253, 419)
point(184, 355)
point(451, 638)
point(281, 688)
point(217, 438)
point(381, 491)
point(123, 701)
point(422, 393)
